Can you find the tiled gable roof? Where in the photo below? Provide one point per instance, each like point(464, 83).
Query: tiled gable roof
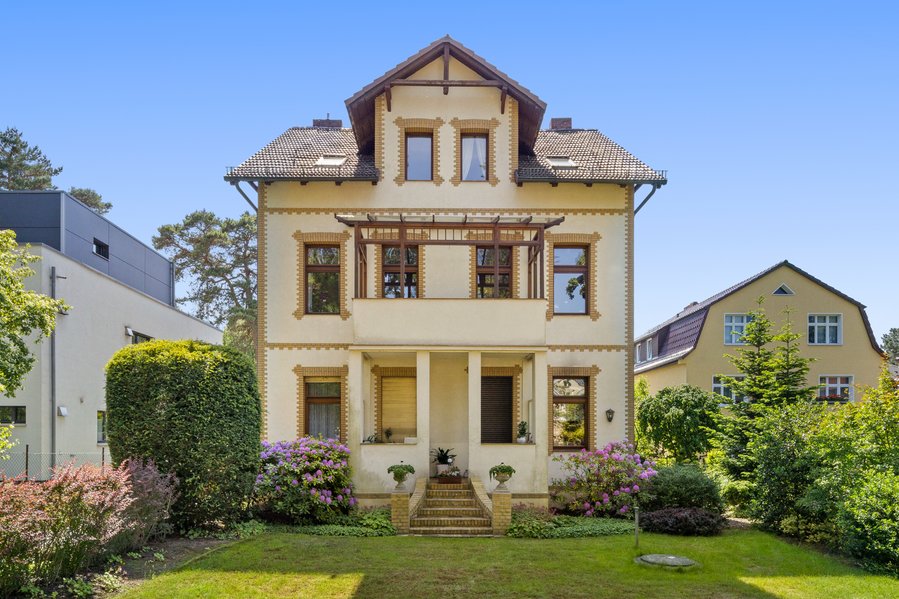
point(597, 158)
point(293, 155)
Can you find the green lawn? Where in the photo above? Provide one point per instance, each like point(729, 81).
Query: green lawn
point(740, 563)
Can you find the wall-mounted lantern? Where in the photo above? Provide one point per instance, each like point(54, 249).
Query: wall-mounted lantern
point(610, 413)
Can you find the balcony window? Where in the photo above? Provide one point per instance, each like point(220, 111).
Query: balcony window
point(392, 287)
point(487, 272)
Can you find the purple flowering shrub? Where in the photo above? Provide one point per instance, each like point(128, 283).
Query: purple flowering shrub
point(307, 480)
point(603, 482)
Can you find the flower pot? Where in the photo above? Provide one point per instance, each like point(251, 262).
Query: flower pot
point(442, 468)
point(522, 439)
point(400, 480)
point(501, 479)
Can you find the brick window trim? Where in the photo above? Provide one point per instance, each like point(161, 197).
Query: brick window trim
point(588, 239)
point(475, 126)
point(379, 373)
point(417, 125)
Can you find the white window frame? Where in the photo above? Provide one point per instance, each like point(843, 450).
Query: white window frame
point(823, 386)
point(729, 337)
point(637, 353)
point(825, 324)
point(722, 386)
point(649, 354)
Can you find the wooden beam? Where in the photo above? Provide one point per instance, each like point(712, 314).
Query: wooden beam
point(446, 59)
point(387, 94)
point(447, 82)
point(502, 100)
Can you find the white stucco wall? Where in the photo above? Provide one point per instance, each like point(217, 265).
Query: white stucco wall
point(86, 338)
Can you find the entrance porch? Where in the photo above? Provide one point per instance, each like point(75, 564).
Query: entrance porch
point(402, 403)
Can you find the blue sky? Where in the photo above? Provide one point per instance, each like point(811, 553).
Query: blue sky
point(777, 121)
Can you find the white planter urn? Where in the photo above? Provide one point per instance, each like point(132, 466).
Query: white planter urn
point(501, 479)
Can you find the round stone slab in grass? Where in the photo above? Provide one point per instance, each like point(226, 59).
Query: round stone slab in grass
point(665, 561)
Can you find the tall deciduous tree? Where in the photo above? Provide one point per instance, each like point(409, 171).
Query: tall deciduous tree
point(23, 166)
point(91, 199)
point(218, 258)
point(23, 313)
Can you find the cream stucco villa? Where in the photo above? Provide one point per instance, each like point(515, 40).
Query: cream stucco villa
point(443, 270)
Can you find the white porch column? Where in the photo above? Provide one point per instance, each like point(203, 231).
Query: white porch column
point(474, 415)
point(423, 399)
point(542, 407)
point(354, 404)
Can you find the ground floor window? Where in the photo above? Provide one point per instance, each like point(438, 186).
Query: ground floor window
point(399, 411)
point(497, 403)
point(719, 387)
point(835, 388)
point(12, 414)
point(101, 426)
point(569, 412)
point(323, 407)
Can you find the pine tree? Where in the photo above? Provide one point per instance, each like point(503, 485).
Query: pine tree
point(790, 369)
point(23, 166)
point(91, 199)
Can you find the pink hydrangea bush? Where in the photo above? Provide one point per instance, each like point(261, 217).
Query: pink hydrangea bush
point(307, 480)
point(604, 482)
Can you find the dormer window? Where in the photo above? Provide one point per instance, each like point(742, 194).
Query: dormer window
point(561, 162)
point(331, 160)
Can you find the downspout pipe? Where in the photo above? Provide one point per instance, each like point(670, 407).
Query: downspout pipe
point(53, 376)
point(646, 199)
point(236, 185)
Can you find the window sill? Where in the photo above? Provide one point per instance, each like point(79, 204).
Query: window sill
point(569, 449)
point(531, 444)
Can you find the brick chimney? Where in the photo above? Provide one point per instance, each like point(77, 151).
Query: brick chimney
point(560, 123)
point(327, 122)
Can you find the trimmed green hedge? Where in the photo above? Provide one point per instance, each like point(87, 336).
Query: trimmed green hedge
point(194, 409)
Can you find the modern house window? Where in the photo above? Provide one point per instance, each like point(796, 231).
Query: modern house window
point(331, 160)
point(561, 162)
point(649, 349)
point(139, 338)
point(734, 327)
point(322, 279)
point(323, 407)
point(419, 157)
point(719, 387)
point(835, 388)
point(474, 157)
point(101, 249)
point(638, 352)
point(825, 329)
point(569, 412)
point(496, 409)
point(12, 414)
point(399, 411)
point(102, 423)
point(570, 279)
point(392, 286)
point(486, 272)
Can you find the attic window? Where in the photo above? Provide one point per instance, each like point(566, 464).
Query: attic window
point(783, 290)
point(561, 162)
point(331, 160)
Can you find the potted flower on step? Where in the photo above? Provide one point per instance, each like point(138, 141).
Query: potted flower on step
point(443, 458)
point(502, 472)
point(522, 432)
point(400, 472)
point(452, 476)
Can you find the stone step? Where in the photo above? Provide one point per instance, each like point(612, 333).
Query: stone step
point(430, 502)
point(447, 531)
point(450, 493)
point(449, 486)
point(450, 522)
point(443, 512)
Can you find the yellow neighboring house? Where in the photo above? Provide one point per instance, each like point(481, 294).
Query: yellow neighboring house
point(444, 270)
point(690, 347)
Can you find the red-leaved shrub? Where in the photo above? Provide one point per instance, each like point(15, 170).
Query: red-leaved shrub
point(53, 529)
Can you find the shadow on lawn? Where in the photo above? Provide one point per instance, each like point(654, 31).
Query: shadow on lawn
point(737, 564)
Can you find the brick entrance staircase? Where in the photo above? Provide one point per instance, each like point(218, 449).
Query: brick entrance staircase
point(450, 510)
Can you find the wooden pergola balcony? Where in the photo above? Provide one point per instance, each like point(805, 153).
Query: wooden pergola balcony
point(401, 230)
